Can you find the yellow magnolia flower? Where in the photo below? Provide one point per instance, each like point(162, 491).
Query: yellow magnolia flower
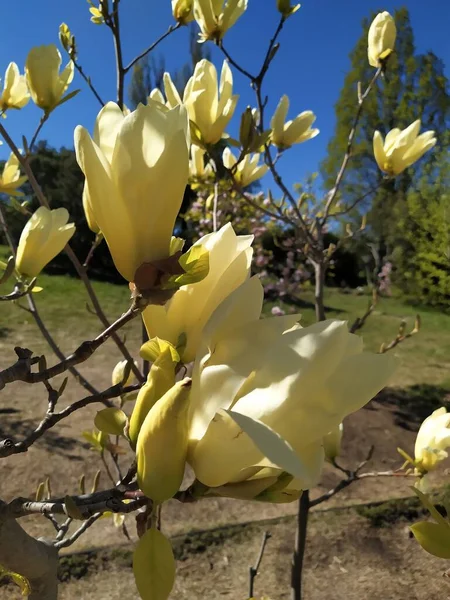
point(43, 237)
point(208, 106)
point(15, 90)
point(332, 442)
point(47, 85)
point(381, 38)
point(136, 169)
point(265, 392)
point(401, 148)
point(192, 305)
point(215, 17)
point(10, 179)
point(247, 170)
point(432, 440)
point(296, 131)
point(198, 170)
point(182, 11)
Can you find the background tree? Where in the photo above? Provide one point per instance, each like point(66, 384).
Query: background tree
point(424, 258)
point(414, 86)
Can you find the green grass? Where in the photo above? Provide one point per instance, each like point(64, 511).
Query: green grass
point(64, 306)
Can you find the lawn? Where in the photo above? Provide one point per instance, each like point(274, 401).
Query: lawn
point(64, 307)
point(348, 558)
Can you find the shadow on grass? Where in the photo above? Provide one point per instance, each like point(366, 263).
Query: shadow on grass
point(415, 403)
point(17, 428)
point(297, 302)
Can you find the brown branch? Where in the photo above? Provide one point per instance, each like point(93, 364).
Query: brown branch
point(86, 505)
point(87, 79)
point(359, 322)
point(65, 542)
point(81, 354)
point(9, 447)
point(348, 153)
point(42, 122)
point(54, 346)
point(140, 56)
point(401, 335)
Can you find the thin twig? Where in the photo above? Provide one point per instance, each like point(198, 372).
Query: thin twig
point(64, 543)
point(348, 153)
point(236, 65)
point(253, 571)
point(42, 122)
point(401, 335)
point(33, 310)
point(140, 56)
point(87, 79)
point(359, 322)
point(81, 354)
point(9, 447)
point(113, 23)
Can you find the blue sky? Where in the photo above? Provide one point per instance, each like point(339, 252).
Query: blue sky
point(309, 67)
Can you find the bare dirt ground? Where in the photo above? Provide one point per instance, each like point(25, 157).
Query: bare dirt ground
point(347, 557)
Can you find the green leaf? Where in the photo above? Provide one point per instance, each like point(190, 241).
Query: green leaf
point(8, 269)
point(195, 263)
point(272, 445)
point(154, 566)
point(97, 439)
point(430, 506)
point(434, 538)
point(111, 420)
point(67, 97)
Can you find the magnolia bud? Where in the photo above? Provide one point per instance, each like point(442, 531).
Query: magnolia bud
point(285, 8)
point(159, 381)
point(381, 38)
point(162, 444)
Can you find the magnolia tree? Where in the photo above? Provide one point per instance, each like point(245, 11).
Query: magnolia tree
point(254, 406)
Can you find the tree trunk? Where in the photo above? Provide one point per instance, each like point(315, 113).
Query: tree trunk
point(319, 276)
point(36, 560)
point(300, 545)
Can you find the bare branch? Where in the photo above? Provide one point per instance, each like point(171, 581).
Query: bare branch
point(65, 542)
point(351, 137)
point(253, 571)
point(401, 335)
point(140, 56)
point(82, 353)
point(359, 322)
point(9, 447)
